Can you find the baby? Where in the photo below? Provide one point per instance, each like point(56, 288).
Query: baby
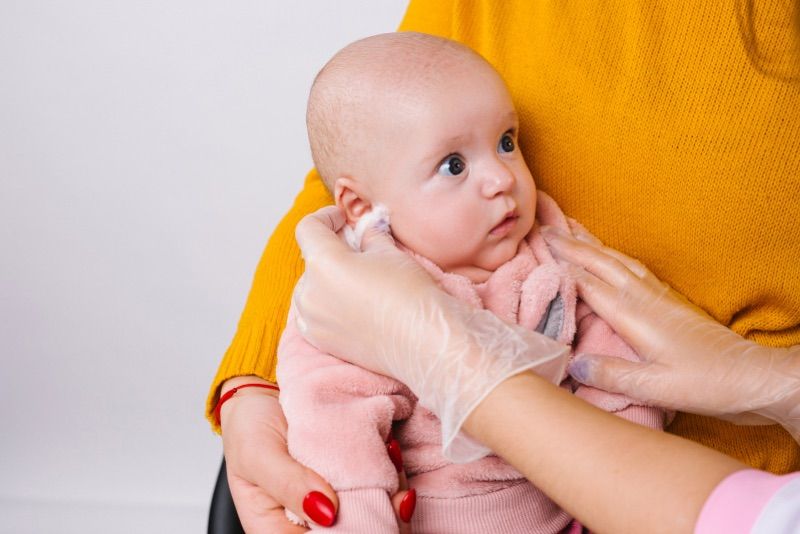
point(426, 128)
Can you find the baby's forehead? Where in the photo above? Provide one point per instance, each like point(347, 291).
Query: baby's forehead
point(398, 62)
point(389, 78)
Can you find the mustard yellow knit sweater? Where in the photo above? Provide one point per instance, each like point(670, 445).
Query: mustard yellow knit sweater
point(670, 129)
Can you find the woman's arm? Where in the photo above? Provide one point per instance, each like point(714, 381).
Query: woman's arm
point(611, 474)
point(262, 476)
point(253, 348)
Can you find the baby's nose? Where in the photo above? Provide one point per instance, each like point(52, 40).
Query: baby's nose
point(498, 180)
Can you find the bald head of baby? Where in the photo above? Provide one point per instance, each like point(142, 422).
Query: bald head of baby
point(426, 128)
point(369, 84)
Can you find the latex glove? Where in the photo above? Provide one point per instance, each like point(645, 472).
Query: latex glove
point(379, 309)
point(689, 362)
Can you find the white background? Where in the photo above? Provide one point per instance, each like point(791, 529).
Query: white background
point(147, 150)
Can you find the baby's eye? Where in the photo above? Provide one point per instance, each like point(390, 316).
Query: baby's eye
point(506, 143)
point(452, 166)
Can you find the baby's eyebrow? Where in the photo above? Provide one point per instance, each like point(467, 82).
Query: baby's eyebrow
point(445, 145)
point(449, 141)
point(512, 116)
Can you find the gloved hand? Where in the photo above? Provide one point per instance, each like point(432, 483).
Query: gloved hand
point(379, 309)
point(689, 362)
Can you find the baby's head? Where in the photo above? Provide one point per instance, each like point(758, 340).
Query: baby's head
point(426, 127)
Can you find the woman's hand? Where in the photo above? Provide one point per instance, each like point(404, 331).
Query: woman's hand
point(263, 478)
point(344, 291)
point(689, 361)
point(379, 309)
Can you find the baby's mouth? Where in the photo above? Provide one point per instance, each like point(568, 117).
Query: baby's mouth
point(506, 225)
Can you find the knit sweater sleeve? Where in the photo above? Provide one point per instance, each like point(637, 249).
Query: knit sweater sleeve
point(253, 348)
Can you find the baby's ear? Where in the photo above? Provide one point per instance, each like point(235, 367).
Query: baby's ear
point(351, 196)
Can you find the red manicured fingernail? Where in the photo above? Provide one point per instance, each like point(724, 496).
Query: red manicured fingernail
point(395, 455)
point(407, 505)
point(320, 509)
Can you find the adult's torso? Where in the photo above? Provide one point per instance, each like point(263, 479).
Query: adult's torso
point(672, 131)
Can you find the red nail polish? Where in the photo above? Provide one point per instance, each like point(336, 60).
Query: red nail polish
point(319, 508)
point(407, 505)
point(395, 455)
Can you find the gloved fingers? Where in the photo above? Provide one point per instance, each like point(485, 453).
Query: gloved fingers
point(606, 263)
point(316, 233)
point(582, 234)
point(636, 307)
point(615, 375)
point(634, 265)
point(599, 295)
point(747, 419)
point(637, 288)
point(623, 314)
point(322, 249)
point(611, 267)
point(690, 362)
point(297, 295)
point(349, 301)
point(377, 239)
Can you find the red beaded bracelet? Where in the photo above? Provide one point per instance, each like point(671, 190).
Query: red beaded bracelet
point(230, 393)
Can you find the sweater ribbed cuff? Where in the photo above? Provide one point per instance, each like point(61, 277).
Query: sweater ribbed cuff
point(252, 352)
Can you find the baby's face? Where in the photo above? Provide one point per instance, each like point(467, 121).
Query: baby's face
point(447, 165)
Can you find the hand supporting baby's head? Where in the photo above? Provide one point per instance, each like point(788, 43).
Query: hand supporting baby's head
point(426, 127)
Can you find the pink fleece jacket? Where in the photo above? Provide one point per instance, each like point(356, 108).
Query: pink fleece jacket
point(340, 415)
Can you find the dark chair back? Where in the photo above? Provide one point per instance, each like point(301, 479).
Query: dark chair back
point(222, 517)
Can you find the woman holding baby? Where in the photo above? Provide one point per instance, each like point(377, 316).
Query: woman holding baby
point(671, 133)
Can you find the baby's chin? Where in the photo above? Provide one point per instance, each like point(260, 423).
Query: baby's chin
point(481, 271)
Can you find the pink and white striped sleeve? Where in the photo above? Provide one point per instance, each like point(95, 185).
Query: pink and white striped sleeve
point(752, 501)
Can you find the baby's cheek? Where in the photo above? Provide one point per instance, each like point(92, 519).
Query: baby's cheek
point(414, 233)
point(424, 220)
